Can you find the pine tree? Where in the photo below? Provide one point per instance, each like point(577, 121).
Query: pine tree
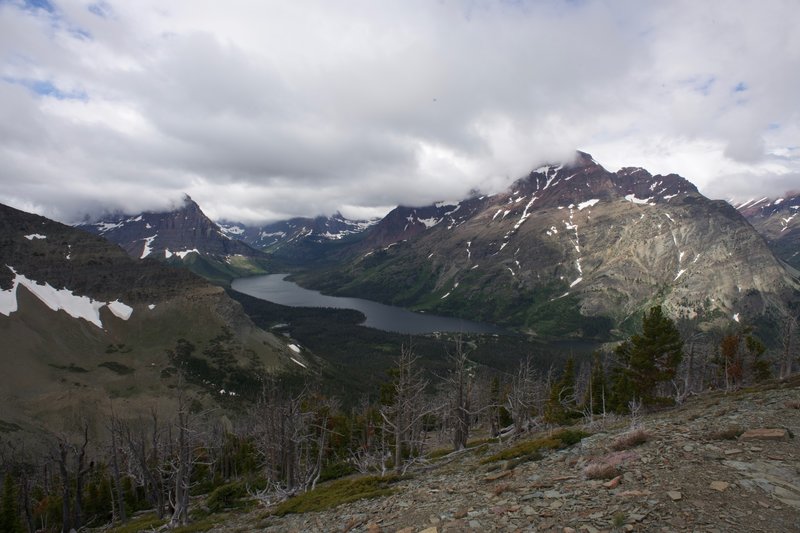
point(9, 509)
point(595, 398)
point(760, 368)
point(562, 396)
point(648, 359)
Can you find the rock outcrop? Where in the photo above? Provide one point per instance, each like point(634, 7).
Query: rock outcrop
point(691, 474)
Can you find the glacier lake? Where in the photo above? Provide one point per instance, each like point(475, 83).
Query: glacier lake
point(276, 289)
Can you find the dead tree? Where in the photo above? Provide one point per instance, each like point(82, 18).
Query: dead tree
point(71, 501)
point(460, 384)
point(144, 451)
point(686, 385)
point(526, 397)
point(81, 469)
point(181, 466)
point(406, 410)
point(787, 337)
point(66, 497)
point(116, 430)
point(291, 433)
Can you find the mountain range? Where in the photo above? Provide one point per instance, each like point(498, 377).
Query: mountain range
point(570, 250)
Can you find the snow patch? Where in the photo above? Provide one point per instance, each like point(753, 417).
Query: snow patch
point(35, 236)
point(184, 253)
point(575, 282)
point(736, 317)
point(680, 273)
point(120, 309)
point(151, 306)
point(632, 198)
point(147, 242)
point(587, 203)
point(298, 362)
point(295, 348)
point(445, 296)
point(429, 222)
point(103, 227)
point(74, 305)
point(525, 214)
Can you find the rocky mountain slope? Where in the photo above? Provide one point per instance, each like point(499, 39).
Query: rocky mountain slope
point(83, 324)
point(183, 236)
point(704, 466)
point(570, 249)
point(778, 220)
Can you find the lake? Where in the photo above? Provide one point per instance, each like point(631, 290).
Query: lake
point(276, 289)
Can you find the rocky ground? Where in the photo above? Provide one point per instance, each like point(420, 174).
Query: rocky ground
point(692, 474)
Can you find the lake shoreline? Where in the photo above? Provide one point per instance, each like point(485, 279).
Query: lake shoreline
point(277, 289)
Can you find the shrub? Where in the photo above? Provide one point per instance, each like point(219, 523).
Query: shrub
point(531, 450)
point(226, 497)
point(601, 471)
point(629, 440)
point(119, 368)
point(730, 433)
point(338, 492)
point(336, 470)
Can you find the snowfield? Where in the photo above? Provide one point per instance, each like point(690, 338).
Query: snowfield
point(65, 300)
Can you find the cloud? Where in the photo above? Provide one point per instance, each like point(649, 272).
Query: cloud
point(263, 110)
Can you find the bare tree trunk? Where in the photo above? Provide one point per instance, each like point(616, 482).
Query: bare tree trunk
point(406, 410)
point(80, 473)
point(461, 383)
point(63, 453)
point(120, 497)
point(788, 334)
point(180, 514)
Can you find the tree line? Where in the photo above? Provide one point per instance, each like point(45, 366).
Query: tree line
point(293, 438)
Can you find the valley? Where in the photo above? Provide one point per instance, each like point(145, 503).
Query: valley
point(317, 349)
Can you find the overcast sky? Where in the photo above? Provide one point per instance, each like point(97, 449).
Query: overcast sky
point(262, 110)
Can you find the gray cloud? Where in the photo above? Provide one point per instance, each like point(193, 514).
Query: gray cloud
point(265, 110)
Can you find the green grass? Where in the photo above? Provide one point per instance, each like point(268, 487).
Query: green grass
point(532, 449)
point(151, 522)
point(338, 492)
point(145, 522)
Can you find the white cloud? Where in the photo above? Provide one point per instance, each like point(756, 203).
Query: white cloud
point(262, 110)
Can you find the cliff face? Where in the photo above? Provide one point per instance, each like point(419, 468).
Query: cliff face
point(572, 249)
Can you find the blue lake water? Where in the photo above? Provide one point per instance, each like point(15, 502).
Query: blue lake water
point(276, 289)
